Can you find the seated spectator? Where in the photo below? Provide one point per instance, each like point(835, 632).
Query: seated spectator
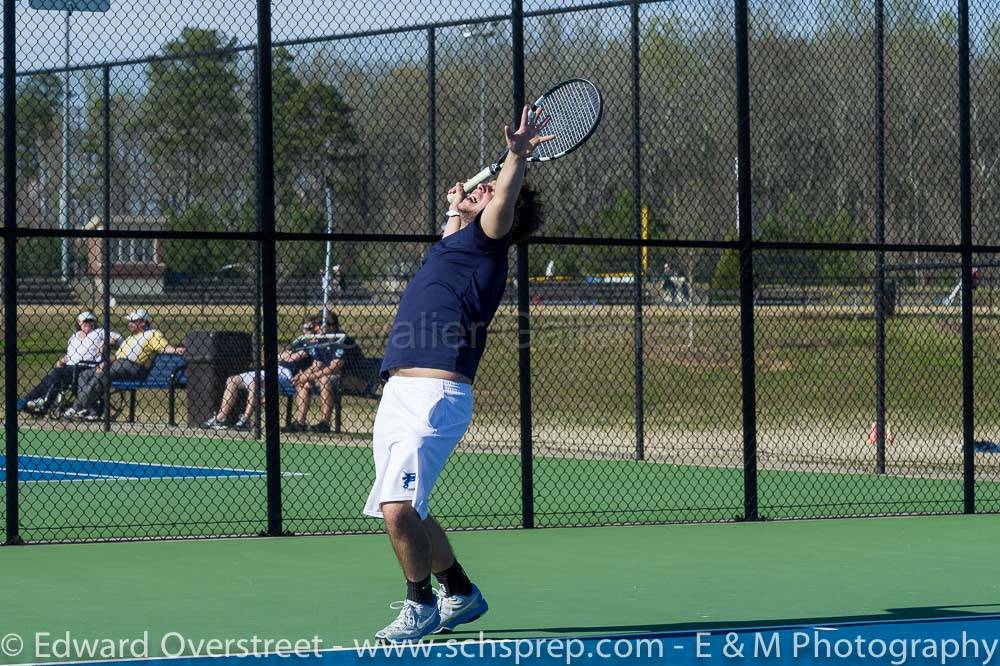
point(84, 351)
point(133, 360)
point(292, 361)
point(329, 356)
point(669, 285)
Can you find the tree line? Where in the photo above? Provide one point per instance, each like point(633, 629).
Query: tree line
point(351, 123)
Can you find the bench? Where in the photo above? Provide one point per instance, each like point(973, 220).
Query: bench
point(167, 372)
point(360, 379)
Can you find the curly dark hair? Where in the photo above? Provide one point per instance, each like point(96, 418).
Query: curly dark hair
point(332, 322)
point(528, 216)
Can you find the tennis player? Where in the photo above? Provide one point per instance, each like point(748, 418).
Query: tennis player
point(434, 348)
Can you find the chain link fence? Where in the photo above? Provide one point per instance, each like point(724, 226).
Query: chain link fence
point(768, 287)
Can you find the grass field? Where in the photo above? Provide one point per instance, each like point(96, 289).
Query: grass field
point(812, 363)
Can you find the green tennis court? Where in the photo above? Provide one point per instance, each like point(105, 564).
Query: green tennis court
point(541, 583)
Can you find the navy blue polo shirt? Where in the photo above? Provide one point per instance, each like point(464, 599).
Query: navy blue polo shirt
point(449, 304)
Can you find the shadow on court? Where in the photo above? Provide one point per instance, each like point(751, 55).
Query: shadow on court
point(956, 612)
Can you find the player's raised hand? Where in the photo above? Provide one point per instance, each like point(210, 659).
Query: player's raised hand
point(456, 193)
point(523, 142)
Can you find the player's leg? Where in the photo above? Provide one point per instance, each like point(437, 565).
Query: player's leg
point(418, 616)
point(459, 600)
point(418, 425)
point(442, 556)
point(412, 546)
point(392, 498)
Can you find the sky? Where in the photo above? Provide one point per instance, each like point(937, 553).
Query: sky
point(139, 28)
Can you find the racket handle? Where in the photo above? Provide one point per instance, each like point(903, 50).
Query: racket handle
point(473, 182)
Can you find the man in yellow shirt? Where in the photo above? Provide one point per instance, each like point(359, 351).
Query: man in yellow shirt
point(132, 361)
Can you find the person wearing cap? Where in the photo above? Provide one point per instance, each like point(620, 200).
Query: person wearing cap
point(132, 361)
point(84, 351)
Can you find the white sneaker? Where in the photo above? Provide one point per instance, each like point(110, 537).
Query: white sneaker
point(36, 406)
point(413, 623)
point(213, 424)
point(71, 413)
point(458, 609)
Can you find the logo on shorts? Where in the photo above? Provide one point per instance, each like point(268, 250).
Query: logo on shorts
point(408, 478)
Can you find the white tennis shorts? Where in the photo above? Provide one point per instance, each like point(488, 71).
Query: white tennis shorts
point(284, 376)
point(420, 420)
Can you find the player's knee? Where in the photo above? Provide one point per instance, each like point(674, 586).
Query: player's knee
point(399, 514)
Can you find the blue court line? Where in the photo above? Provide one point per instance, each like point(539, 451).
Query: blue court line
point(54, 468)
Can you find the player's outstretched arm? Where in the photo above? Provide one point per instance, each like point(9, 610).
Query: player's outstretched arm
point(498, 217)
point(455, 196)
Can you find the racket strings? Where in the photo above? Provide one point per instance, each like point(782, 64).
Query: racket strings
point(573, 110)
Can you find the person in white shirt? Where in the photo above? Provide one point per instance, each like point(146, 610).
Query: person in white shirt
point(132, 361)
point(84, 350)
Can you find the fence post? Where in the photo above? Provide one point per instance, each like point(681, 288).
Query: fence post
point(880, 236)
point(432, 218)
point(747, 361)
point(10, 271)
point(965, 152)
point(523, 314)
point(258, 306)
point(265, 221)
point(638, 264)
point(106, 240)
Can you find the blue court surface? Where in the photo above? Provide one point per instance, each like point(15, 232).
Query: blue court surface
point(51, 468)
point(970, 639)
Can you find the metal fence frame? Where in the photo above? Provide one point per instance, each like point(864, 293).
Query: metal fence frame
point(266, 238)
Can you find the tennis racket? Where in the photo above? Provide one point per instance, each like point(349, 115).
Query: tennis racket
point(574, 109)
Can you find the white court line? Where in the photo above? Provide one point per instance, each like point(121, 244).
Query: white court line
point(129, 478)
point(64, 473)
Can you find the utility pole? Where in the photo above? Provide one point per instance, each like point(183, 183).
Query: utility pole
point(484, 31)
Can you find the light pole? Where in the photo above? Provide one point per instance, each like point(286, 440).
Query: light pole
point(485, 31)
point(68, 6)
point(64, 186)
point(328, 205)
point(736, 171)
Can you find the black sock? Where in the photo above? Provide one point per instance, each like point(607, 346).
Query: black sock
point(420, 592)
point(454, 580)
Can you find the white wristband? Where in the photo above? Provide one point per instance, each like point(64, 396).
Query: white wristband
point(452, 213)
